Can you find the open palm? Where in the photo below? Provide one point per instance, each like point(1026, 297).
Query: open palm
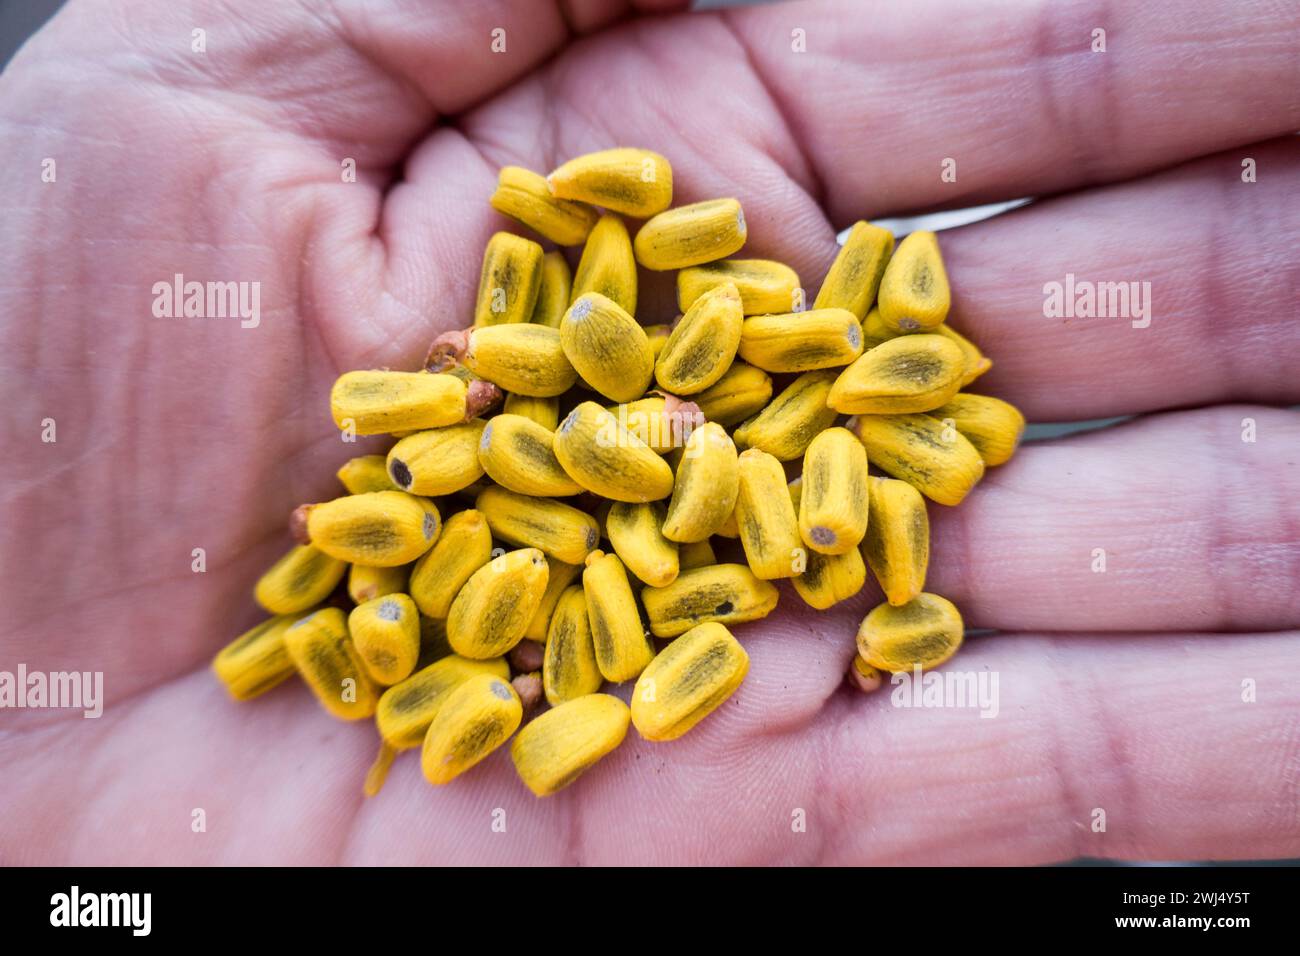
point(1120, 690)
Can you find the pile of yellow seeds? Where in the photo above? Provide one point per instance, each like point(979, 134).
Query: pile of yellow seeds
point(558, 420)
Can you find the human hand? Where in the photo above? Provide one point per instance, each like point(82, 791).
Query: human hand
point(1116, 690)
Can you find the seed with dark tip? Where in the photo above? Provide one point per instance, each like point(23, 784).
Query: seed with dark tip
point(400, 474)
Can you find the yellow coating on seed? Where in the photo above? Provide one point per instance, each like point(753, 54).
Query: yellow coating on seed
point(386, 633)
point(475, 719)
point(556, 748)
point(831, 578)
point(910, 373)
point(769, 527)
point(764, 285)
point(438, 461)
point(544, 411)
point(897, 543)
point(926, 630)
point(607, 347)
point(324, 655)
point(366, 582)
point(557, 529)
point(690, 679)
point(623, 648)
point(301, 579)
point(508, 281)
point(705, 488)
point(854, 276)
point(407, 708)
point(922, 451)
point(492, 610)
point(914, 292)
point(691, 235)
point(741, 393)
point(364, 473)
point(725, 593)
point(695, 554)
point(701, 349)
point(569, 668)
point(525, 359)
point(607, 266)
point(605, 458)
point(635, 182)
point(464, 546)
point(525, 196)
point(832, 494)
point(558, 578)
point(801, 341)
point(518, 454)
point(993, 426)
point(377, 402)
point(786, 426)
point(256, 660)
point(380, 528)
point(635, 531)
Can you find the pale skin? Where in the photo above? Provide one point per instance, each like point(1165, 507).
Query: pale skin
point(1120, 691)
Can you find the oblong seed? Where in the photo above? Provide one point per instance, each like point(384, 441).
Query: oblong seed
point(491, 612)
point(407, 709)
point(897, 543)
point(464, 546)
point(923, 451)
point(801, 341)
point(635, 531)
point(605, 458)
point(607, 347)
point(623, 648)
point(562, 744)
point(692, 234)
point(925, 631)
point(569, 668)
point(386, 632)
point(764, 284)
point(366, 582)
point(833, 495)
point(635, 182)
point(725, 593)
point(831, 578)
point(380, 528)
point(794, 418)
point(914, 290)
point(556, 529)
point(518, 454)
point(525, 196)
point(705, 488)
point(690, 679)
point(256, 660)
point(702, 346)
point(324, 655)
point(365, 473)
point(559, 576)
point(554, 291)
point(854, 276)
point(742, 392)
point(910, 373)
point(377, 402)
point(544, 411)
point(508, 281)
point(438, 461)
point(301, 579)
point(607, 266)
point(475, 719)
point(525, 359)
point(993, 426)
point(696, 554)
point(769, 528)
point(650, 420)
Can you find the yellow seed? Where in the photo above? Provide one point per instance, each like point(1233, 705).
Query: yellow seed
point(831, 578)
point(257, 660)
point(922, 451)
point(569, 669)
point(863, 676)
point(635, 182)
point(386, 632)
point(801, 341)
point(607, 266)
point(475, 719)
point(524, 195)
point(993, 426)
point(897, 544)
point(380, 528)
point(464, 546)
point(365, 582)
point(544, 411)
point(795, 487)
point(365, 473)
point(657, 336)
point(439, 461)
point(623, 648)
point(914, 291)
point(925, 631)
point(696, 554)
point(700, 350)
point(874, 330)
point(743, 391)
point(607, 347)
point(650, 420)
point(374, 403)
point(320, 648)
point(855, 274)
point(690, 235)
point(636, 533)
point(975, 361)
point(769, 528)
point(729, 528)
point(911, 373)
point(690, 679)
point(832, 495)
point(558, 530)
point(407, 709)
point(605, 458)
point(561, 745)
point(492, 611)
point(726, 593)
point(508, 283)
point(796, 416)
point(526, 359)
point(554, 291)
point(301, 579)
point(706, 486)
point(517, 454)
point(764, 285)
point(558, 578)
